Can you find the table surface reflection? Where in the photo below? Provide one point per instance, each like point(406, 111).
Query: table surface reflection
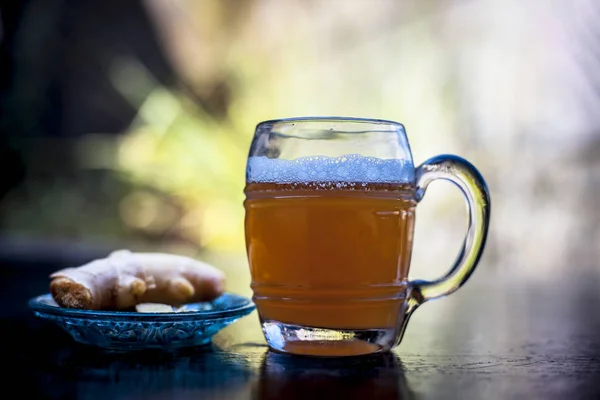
point(498, 337)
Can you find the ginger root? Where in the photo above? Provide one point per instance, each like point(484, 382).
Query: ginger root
point(125, 279)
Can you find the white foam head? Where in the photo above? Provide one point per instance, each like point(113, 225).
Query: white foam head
point(349, 168)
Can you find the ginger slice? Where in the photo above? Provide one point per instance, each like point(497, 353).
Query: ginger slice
point(153, 308)
point(125, 279)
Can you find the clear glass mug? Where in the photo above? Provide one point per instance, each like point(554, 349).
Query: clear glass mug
point(330, 212)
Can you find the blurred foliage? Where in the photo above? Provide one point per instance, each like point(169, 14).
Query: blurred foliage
point(503, 84)
point(177, 147)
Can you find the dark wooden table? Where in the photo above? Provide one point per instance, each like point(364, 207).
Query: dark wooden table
point(500, 337)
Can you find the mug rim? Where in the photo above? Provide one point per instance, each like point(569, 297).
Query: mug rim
point(358, 120)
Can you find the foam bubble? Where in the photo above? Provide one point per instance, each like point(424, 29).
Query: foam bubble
point(349, 168)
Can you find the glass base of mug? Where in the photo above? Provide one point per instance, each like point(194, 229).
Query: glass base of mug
point(311, 341)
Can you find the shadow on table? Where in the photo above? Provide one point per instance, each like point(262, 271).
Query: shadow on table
point(379, 376)
point(51, 365)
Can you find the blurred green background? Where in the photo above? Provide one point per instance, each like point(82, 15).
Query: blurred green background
point(127, 124)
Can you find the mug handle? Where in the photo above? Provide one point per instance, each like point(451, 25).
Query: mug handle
point(473, 187)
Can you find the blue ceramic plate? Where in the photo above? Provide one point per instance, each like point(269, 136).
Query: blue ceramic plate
point(126, 331)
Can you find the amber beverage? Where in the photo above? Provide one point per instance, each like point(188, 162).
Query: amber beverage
point(330, 255)
point(330, 213)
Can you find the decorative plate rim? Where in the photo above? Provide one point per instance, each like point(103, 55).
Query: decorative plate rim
point(247, 305)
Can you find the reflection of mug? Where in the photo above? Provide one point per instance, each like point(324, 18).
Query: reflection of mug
point(377, 376)
point(330, 213)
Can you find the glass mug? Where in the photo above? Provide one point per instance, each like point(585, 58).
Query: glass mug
point(330, 212)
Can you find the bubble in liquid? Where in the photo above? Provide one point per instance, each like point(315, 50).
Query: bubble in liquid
point(351, 168)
